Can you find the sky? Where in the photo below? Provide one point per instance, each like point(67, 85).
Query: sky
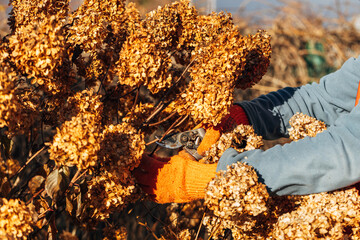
point(321, 6)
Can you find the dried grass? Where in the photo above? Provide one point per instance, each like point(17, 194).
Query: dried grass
point(295, 31)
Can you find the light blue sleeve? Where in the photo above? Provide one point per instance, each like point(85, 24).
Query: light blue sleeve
point(329, 161)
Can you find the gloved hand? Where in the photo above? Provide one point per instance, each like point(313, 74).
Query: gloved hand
point(180, 178)
point(236, 116)
point(176, 179)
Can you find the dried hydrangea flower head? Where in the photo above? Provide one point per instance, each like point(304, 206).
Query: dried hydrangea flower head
point(333, 215)
point(113, 233)
point(145, 56)
point(236, 196)
point(9, 105)
point(257, 59)
point(99, 28)
point(142, 63)
point(215, 73)
point(183, 219)
point(168, 31)
point(15, 113)
point(199, 31)
point(242, 138)
point(96, 22)
point(15, 219)
point(25, 12)
point(163, 25)
point(77, 142)
point(39, 52)
point(121, 147)
point(9, 167)
point(86, 101)
point(303, 125)
point(107, 193)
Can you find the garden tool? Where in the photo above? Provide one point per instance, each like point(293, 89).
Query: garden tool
point(189, 140)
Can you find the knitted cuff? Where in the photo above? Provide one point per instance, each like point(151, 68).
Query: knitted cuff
point(198, 175)
point(236, 116)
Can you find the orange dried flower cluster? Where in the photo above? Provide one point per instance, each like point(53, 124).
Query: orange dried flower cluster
point(9, 104)
point(115, 152)
point(15, 219)
point(112, 233)
point(86, 101)
point(161, 26)
point(333, 215)
point(14, 114)
point(201, 30)
point(107, 193)
point(242, 138)
point(110, 151)
point(9, 167)
point(146, 55)
point(184, 219)
point(27, 12)
point(235, 198)
point(99, 28)
point(142, 63)
point(77, 142)
point(95, 20)
point(303, 125)
point(214, 75)
point(38, 51)
point(138, 115)
point(257, 59)
point(121, 148)
point(168, 31)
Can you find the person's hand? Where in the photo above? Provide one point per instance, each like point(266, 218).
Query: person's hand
point(180, 178)
point(236, 116)
point(177, 179)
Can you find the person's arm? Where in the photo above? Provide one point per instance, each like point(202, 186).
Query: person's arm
point(332, 97)
point(329, 161)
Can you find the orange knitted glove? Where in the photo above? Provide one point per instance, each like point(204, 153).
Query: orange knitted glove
point(177, 179)
point(180, 178)
point(236, 116)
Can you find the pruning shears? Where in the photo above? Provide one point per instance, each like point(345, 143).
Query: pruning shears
point(189, 140)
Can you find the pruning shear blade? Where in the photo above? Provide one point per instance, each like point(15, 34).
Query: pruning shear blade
point(189, 139)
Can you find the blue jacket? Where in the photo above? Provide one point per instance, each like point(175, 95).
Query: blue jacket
point(329, 161)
